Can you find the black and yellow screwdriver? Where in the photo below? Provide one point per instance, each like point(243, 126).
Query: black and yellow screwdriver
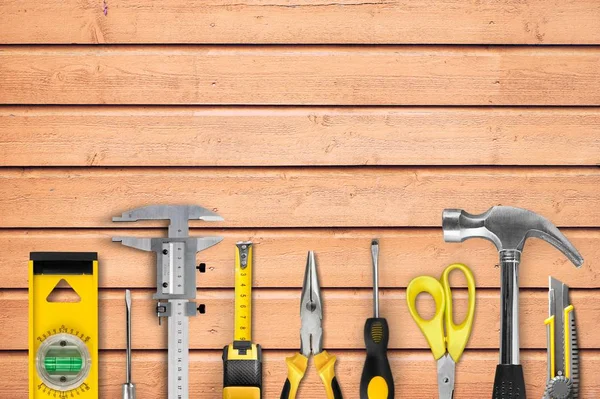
point(242, 360)
point(377, 381)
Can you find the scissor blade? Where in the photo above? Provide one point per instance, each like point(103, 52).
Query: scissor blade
point(446, 371)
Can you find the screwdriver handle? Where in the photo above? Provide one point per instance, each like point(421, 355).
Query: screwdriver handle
point(377, 381)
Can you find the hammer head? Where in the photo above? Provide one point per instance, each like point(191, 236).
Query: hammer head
point(508, 228)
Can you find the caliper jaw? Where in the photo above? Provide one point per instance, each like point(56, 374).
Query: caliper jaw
point(178, 216)
point(175, 254)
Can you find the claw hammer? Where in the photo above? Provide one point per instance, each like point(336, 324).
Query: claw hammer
point(508, 228)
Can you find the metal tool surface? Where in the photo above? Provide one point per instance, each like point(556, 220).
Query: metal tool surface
point(175, 279)
point(508, 228)
point(563, 353)
point(375, 262)
point(128, 387)
point(446, 339)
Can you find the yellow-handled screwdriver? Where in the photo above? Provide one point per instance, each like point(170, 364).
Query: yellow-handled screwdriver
point(377, 381)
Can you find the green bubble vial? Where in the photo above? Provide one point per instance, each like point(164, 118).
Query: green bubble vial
point(63, 362)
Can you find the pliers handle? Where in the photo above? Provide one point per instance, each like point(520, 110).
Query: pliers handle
point(296, 366)
point(325, 364)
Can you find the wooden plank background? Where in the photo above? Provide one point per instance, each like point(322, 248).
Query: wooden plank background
point(242, 75)
point(306, 125)
point(296, 21)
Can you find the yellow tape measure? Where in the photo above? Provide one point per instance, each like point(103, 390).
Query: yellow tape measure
point(243, 292)
point(242, 360)
point(63, 332)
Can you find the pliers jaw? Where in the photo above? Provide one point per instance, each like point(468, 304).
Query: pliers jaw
point(311, 311)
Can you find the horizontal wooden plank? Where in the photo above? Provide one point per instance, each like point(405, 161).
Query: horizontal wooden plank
point(319, 21)
point(281, 254)
point(414, 374)
point(277, 319)
point(199, 136)
point(390, 75)
point(313, 197)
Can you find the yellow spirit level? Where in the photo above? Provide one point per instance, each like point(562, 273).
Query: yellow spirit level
point(242, 360)
point(63, 335)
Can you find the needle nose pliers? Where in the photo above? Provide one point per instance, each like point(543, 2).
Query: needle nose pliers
point(311, 340)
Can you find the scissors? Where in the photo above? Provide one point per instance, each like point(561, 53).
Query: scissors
point(447, 344)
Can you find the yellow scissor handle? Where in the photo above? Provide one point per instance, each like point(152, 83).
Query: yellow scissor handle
point(458, 335)
point(433, 329)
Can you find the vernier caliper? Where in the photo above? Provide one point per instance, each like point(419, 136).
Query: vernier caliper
point(175, 278)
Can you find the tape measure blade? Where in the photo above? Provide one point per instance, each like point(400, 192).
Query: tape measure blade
point(243, 292)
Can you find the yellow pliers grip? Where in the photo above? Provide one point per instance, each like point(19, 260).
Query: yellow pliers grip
point(325, 364)
point(296, 366)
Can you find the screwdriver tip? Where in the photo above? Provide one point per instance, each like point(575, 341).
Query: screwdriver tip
point(374, 242)
point(128, 297)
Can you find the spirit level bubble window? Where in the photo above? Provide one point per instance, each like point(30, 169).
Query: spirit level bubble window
point(63, 362)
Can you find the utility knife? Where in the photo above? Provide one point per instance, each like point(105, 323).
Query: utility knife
point(563, 353)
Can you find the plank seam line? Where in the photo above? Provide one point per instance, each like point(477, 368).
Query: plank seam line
point(361, 289)
point(153, 227)
point(391, 107)
point(292, 229)
point(315, 105)
point(595, 351)
point(440, 168)
point(304, 46)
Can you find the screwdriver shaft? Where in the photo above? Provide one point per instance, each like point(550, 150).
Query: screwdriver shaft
point(128, 387)
point(375, 258)
point(128, 332)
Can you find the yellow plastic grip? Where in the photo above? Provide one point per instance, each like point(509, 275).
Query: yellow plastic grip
point(549, 322)
point(296, 366)
point(241, 393)
point(457, 336)
point(378, 388)
point(433, 329)
point(325, 364)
